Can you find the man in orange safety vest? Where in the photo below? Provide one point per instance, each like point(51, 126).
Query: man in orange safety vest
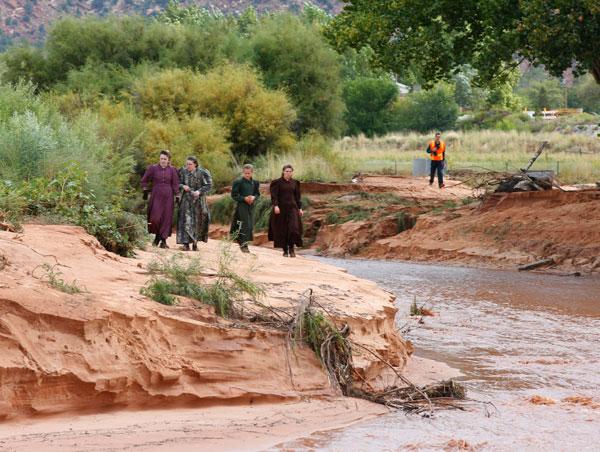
point(437, 153)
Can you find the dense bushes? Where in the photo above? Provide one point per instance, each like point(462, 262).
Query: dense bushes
point(62, 170)
point(203, 137)
point(256, 119)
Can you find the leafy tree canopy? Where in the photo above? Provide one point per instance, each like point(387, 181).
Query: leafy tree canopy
point(435, 37)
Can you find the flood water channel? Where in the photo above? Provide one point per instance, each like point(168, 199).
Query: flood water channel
point(513, 336)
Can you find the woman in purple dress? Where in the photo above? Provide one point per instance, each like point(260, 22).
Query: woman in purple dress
point(165, 186)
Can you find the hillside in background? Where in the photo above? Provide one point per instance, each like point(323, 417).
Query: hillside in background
point(29, 19)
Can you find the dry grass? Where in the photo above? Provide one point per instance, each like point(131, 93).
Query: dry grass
point(577, 157)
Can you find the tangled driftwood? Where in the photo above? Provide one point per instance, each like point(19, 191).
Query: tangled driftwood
point(312, 324)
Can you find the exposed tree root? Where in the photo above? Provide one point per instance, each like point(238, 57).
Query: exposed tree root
point(312, 324)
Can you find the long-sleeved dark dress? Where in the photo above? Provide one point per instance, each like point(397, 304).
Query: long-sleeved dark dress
point(285, 228)
point(165, 186)
point(194, 216)
point(243, 220)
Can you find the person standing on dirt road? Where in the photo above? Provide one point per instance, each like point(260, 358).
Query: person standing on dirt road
point(245, 192)
point(437, 153)
point(285, 223)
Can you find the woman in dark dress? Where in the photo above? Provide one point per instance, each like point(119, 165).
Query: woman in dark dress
point(285, 225)
point(194, 216)
point(165, 186)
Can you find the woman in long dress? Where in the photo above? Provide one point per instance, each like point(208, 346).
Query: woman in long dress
point(165, 186)
point(285, 225)
point(194, 216)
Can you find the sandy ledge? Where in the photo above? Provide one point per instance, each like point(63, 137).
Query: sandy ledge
point(253, 427)
point(109, 369)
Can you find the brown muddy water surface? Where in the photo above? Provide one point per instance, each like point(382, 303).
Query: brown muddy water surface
point(514, 336)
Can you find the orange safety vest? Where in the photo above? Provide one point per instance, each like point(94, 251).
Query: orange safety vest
point(440, 152)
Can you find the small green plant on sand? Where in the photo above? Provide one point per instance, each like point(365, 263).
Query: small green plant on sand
point(53, 277)
point(422, 311)
point(179, 276)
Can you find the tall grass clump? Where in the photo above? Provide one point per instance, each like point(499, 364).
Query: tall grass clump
point(314, 158)
point(179, 276)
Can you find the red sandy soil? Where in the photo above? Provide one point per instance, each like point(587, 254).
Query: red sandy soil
point(110, 348)
point(506, 230)
point(248, 427)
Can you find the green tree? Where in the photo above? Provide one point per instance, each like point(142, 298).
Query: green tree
point(368, 103)
point(501, 94)
point(25, 63)
point(438, 36)
point(423, 111)
point(174, 13)
point(294, 57)
point(547, 94)
point(585, 94)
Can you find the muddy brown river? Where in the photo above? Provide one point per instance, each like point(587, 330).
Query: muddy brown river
point(514, 336)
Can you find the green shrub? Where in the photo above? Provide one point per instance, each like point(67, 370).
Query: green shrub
point(333, 218)
point(203, 137)
point(53, 278)
point(262, 213)
point(368, 105)
point(179, 277)
point(160, 290)
point(221, 211)
point(294, 57)
point(118, 231)
point(25, 64)
point(256, 119)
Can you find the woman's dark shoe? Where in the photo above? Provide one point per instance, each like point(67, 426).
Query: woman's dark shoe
point(194, 246)
point(156, 241)
point(286, 252)
point(244, 249)
point(186, 247)
point(163, 243)
point(292, 253)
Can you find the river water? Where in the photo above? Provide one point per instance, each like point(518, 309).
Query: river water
point(514, 336)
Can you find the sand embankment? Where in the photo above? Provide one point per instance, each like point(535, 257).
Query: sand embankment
point(110, 347)
point(506, 230)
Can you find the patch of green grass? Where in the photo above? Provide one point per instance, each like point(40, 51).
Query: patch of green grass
point(576, 156)
point(358, 215)
point(160, 290)
point(449, 204)
point(333, 218)
point(178, 276)
point(53, 278)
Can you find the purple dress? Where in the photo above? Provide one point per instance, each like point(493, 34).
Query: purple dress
point(165, 185)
